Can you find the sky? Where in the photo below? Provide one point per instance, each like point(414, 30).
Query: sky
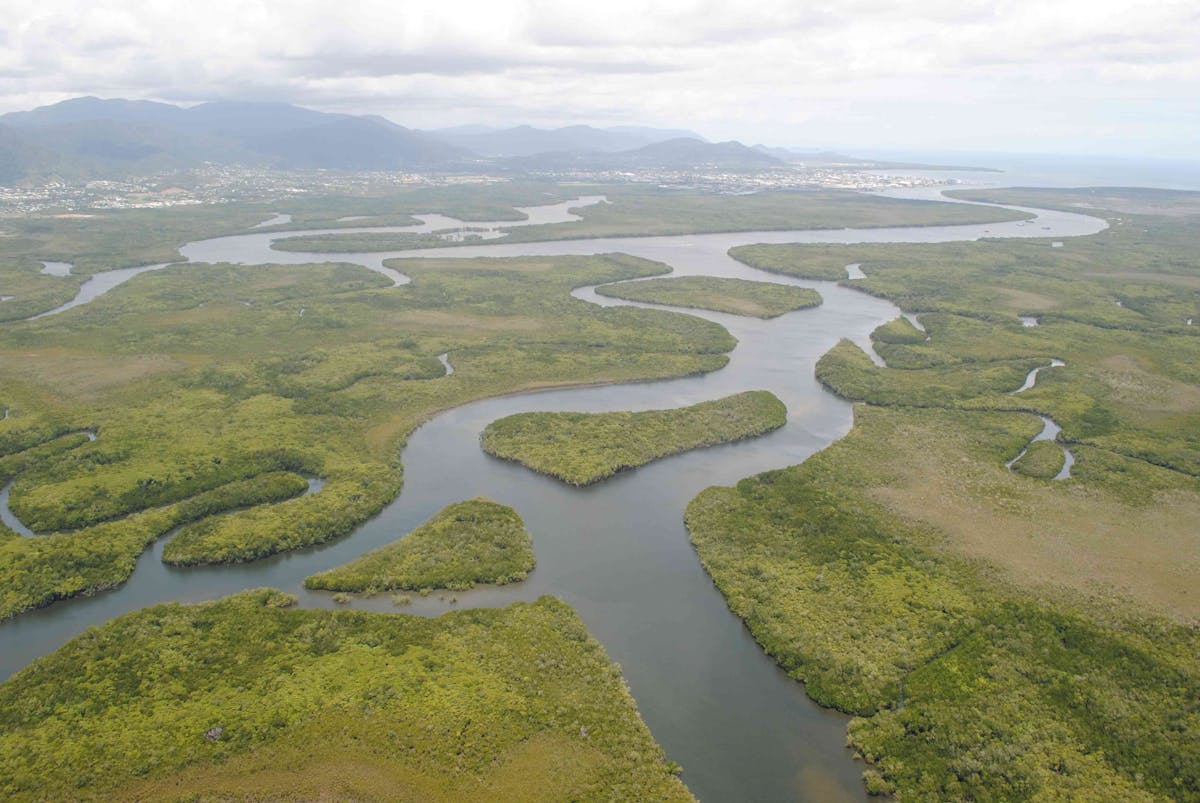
point(1052, 76)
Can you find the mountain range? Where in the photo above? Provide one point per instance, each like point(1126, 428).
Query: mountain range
point(90, 137)
point(677, 153)
point(93, 138)
point(529, 141)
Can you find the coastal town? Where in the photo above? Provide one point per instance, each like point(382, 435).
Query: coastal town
point(216, 184)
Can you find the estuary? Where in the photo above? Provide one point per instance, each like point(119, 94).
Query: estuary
point(617, 551)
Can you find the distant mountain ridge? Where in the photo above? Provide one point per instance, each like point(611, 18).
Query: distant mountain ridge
point(526, 140)
point(687, 152)
point(681, 153)
point(78, 110)
point(97, 138)
point(90, 138)
point(20, 156)
point(356, 143)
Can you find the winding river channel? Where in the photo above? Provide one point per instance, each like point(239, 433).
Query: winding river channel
point(618, 551)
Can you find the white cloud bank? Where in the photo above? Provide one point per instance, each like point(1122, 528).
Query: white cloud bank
point(1076, 75)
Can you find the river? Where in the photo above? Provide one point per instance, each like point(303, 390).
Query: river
point(617, 551)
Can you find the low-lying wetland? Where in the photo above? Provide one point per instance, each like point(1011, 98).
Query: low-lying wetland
point(919, 603)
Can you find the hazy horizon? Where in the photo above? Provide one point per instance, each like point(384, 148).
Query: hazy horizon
point(869, 150)
point(980, 76)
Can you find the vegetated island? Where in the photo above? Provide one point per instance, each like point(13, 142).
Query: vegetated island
point(584, 448)
point(363, 241)
point(735, 296)
point(476, 541)
point(249, 698)
point(647, 211)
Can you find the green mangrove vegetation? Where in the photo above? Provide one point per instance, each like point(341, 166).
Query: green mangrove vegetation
point(997, 636)
point(848, 371)
point(1107, 202)
point(247, 698)
point(898, 331)
point(583, 448)
point(46, 568)
point(1043, 459)
point(792, 260)
point(735, 296)
point(98, 241)
point(647, 211)
point(361, 241)
point(395, 206)
point(644, 210)
point(199, 377)
point(477, 541)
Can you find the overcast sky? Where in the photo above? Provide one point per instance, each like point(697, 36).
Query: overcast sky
point(1091, 76)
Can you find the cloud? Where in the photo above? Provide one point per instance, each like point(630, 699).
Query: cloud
point(776, 70)
point(457, 62)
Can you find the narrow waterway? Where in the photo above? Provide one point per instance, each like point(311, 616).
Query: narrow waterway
point(1050, 428)
point(1049, 432)
point(617, 551)
point(1031, 377)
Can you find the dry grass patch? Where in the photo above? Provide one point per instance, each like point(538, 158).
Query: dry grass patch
point(83, 377)
point(1023, 300)
point(220, 313)
point(1174, 207)
point(519, 264)
point(1135, 387)
point(436, 319)
point(351, 770)
point(1192, 282)
point(1067, 533)
point(740, 306)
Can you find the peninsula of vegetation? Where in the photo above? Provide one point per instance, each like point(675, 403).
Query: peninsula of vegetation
point(1043, 459)
point(735, 296)
point(477, 541)
point(203, 380)
point(991, 635)
point(247, 698)
point(648, 211)
point(359, 242)
point(791, 261)
point(583, 448)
